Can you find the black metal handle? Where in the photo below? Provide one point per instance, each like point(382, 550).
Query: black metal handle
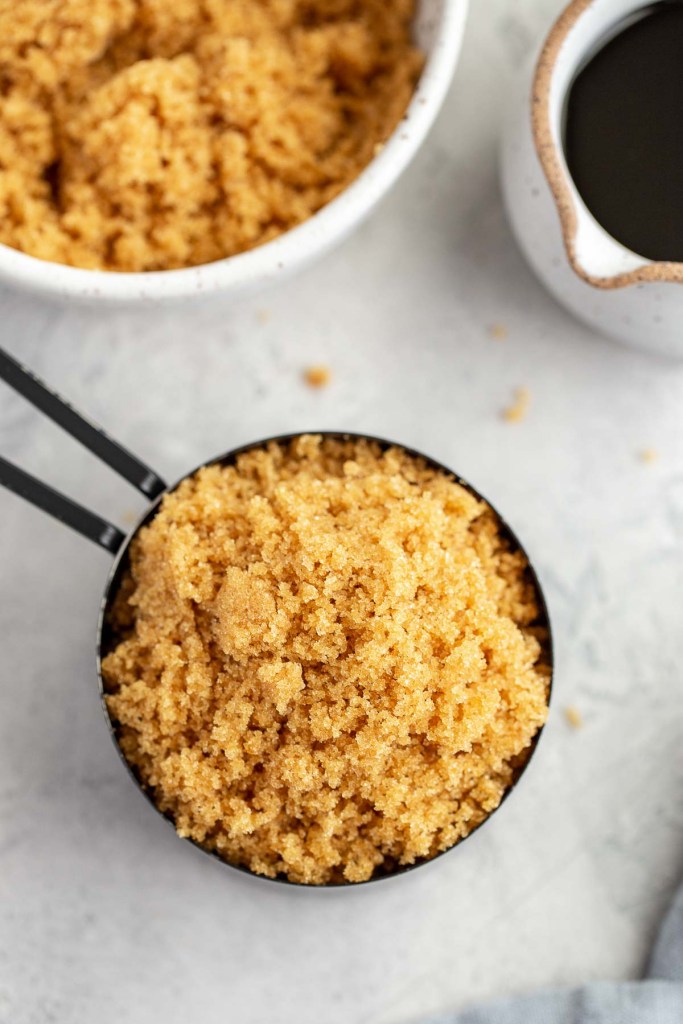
point(60, 507)
point(95, 440)
point(91, 436)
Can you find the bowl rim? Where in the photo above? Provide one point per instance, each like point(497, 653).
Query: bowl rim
point(291, 250)
point(103, 635)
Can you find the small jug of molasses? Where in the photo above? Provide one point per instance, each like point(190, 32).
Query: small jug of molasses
point(592, 168)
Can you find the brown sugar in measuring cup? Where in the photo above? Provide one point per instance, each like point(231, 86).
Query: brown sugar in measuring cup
point(249, 567)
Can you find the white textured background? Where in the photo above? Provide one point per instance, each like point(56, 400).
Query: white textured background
point(104, 915)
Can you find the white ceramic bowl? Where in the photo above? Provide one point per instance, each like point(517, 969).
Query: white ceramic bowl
point(439, 31)
point(614, 290)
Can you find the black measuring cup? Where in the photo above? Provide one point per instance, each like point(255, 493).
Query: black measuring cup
point(108, 536)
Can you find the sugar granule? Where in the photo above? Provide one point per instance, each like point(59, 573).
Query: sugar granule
point(519, 409)
point(317, 376)
point(573, 716)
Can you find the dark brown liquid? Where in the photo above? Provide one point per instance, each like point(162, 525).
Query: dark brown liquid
point(624, 133)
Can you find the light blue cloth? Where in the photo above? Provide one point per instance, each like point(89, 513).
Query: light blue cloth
point(656, 1000)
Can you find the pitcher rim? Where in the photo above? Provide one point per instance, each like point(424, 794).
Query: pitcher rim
point(556, 174)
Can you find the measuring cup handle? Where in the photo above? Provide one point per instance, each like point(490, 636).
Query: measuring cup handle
point(93, 438)
point(88, 524)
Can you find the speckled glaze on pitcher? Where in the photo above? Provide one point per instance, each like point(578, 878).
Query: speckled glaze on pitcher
point(631, 298)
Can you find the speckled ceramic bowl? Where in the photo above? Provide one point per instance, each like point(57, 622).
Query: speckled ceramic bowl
point(439, 31)
point(618, 292)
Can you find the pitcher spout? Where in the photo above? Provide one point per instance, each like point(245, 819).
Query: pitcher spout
point(598, 258)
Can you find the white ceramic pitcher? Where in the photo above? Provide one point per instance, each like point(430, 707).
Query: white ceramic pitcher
point(634, 299)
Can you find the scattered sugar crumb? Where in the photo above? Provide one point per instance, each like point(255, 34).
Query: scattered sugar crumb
point(317, 376)
point(517, 411)
point(498, 332)
point(648, 455)
point(264, 316)
point(128, 518)
point(573, 716)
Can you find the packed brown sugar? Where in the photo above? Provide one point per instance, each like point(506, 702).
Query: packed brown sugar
point(147, 134)
point(328, 661)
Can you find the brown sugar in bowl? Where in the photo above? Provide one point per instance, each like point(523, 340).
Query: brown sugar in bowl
point(176, 513)
point(145, 184)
